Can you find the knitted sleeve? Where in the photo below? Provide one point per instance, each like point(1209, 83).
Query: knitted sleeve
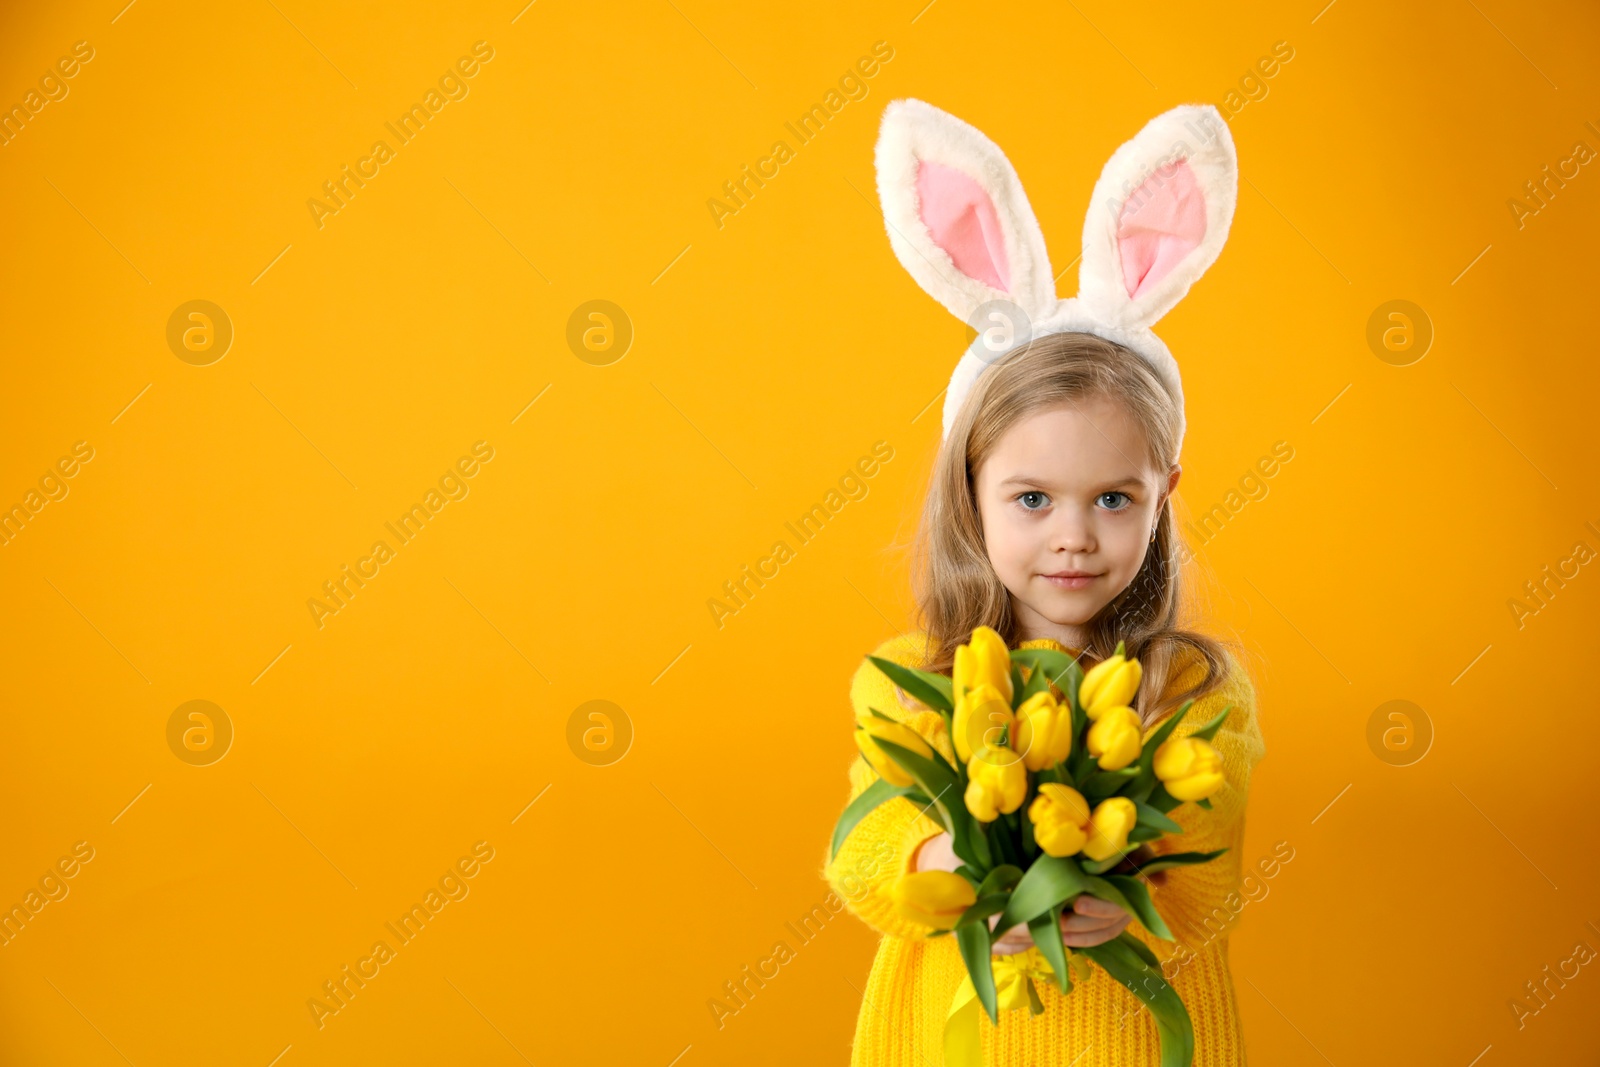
point(880, 848)
point(1192, 898)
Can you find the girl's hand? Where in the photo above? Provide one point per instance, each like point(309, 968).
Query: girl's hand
point(1091, 921)
point(936, 855)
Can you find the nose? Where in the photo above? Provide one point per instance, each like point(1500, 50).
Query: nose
point(1072, 532)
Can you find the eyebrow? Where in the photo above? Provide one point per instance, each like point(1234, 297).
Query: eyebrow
point(1028, 479)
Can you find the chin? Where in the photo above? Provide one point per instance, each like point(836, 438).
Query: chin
point(1068, 614)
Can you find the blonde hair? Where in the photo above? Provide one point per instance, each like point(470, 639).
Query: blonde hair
point(957, 588)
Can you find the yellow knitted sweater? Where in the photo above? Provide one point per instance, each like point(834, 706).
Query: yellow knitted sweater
point(1099, 1024)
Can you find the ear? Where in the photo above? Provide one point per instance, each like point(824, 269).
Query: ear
point(957, 217)
point(1160, 215)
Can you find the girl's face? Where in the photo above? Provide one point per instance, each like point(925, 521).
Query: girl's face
point(1068, 501)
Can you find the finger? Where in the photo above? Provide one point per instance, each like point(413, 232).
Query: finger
point(1087, 923)
point(1010, 944)
point(1080, 939)
point(1087, 905)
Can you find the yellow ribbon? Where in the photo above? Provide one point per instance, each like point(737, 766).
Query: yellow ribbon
point(963, 1047)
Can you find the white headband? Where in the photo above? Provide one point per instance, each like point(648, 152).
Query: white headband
point(959, 221)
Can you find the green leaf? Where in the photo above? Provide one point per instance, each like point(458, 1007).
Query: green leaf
point(1209, 730)
point(973, 937)
point(1162, 800)
point(1030, 847)
point(1141, 834)
point(1141, 948)
point(1146, 783)
point(1002, 879)
point(1050, 881)
point(1165, 729)
point(1062, 670)
point(1102, 784)
point(1038, 681)
point(984, 907)
point(881, 715)
point(1179, 859)
point(861, 806)
point(931, 689)
point(1129, 967)
point(939, 781)
point(1005, 846)
point(1138, 895)
point(1204, 802)
point(1046, 931)
point(1149, 816)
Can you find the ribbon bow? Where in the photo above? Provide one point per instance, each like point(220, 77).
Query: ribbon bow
point(1013, 975)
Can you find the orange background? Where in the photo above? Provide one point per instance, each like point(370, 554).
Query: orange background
point(769, 355)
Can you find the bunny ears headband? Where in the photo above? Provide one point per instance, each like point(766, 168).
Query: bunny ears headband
point(959, 221)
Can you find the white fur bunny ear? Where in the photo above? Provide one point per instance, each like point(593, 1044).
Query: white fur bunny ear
point(1160, 215)
point(957, 217)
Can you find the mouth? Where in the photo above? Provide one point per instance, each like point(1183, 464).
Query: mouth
point(1070, 579)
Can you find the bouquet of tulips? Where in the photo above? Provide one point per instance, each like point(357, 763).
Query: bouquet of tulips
point(1054, 785)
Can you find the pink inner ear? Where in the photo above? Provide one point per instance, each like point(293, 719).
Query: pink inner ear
point(1161, 223)
point(962, 220)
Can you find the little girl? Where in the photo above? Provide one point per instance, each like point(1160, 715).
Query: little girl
point(1048, 519)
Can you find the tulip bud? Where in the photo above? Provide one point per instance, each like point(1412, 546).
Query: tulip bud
point(983, 659)
point(933, 898)
point(997, 782)
point(1189, 768)
point(1116, 738)
point(1110, 683)
point(1043, 732)
point(872, 728)
point(981, 714)
point(1110, 825)
point(1060, 817)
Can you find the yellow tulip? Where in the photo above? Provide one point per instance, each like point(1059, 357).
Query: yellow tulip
point(1060, 817)
point(873, 728)
point(1110, 683)
point(997, 782)
point(981, 713)
point(1043, 731)
point(933, 898)
point(1189, 767)
point(983, 659)
point(1109, 826)
point(1116, 738)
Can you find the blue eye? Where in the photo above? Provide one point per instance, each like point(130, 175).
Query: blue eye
point(1022, 498)
point(1114, 496)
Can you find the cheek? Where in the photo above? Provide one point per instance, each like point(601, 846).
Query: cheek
point(1000, 544)
point(1124, 548)
point(1008, 543)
